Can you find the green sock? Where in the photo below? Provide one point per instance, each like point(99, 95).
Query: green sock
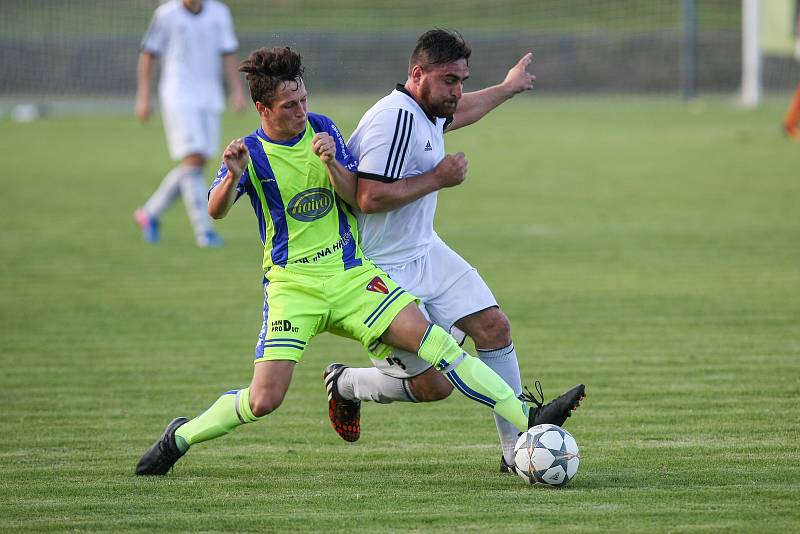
point(472, 377)
point(232, 409)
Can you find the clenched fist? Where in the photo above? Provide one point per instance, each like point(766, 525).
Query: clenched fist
point(452, 170)
point(324, 146)
point(236, 157)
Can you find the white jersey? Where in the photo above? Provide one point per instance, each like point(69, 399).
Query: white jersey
point(395, 140)
point(190, 47)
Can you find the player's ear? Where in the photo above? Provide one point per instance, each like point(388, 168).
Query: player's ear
point(416, 73)
point(261, 108)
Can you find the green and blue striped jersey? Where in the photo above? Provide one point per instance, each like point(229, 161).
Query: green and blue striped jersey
point(301, 220)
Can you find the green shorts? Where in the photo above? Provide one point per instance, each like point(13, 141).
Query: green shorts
point(359, 303)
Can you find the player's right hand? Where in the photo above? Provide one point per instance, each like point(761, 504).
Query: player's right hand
point(143, 109)
point(236, 156)
point(518, 78)
point(452, 170)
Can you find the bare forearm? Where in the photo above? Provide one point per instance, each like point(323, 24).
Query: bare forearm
point(474, 106)
point(230, 64)
point(375, 197)
point(223, 196)
point(144, 78)
point(144, 75)
point(343, 181)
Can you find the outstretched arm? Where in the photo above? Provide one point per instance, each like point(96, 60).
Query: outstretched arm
point(473, 106)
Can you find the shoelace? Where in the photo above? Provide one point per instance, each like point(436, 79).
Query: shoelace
point(527, 396)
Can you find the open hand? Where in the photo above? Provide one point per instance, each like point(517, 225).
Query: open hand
point(518, 78)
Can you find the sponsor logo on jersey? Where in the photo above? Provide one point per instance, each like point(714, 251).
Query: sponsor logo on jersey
point(282, 325)
point(428, 147)
point(321, 253)
point(310, 205)
point(378, 286)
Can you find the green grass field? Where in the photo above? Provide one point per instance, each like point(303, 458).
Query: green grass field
point(648, 249)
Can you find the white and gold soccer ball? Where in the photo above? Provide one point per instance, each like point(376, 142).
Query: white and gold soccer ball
point(546, 455)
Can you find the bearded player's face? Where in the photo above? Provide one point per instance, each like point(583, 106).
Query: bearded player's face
point(441, 87)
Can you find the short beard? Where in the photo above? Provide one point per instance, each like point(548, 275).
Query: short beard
point(437, 110)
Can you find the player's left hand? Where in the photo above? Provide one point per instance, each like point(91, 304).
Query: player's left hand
point(324, 146)
point(518, 78)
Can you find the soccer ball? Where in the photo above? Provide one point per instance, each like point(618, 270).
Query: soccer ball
point(546, 455)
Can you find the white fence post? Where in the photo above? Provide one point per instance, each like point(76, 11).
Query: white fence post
point(751, 53)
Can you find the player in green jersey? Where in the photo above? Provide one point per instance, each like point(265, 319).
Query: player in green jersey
point(300, 179)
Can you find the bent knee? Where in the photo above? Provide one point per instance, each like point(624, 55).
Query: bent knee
point(493, 331)
point(194, 160)
point(263, 404)
point(430, 386)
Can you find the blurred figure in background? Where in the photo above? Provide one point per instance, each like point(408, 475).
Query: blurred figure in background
point(791, 121)
point(195, 41)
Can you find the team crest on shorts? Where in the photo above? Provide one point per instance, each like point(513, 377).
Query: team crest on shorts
point(378, 286)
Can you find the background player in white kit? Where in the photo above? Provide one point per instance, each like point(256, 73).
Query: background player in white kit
point(196, 42)
point(400, 146)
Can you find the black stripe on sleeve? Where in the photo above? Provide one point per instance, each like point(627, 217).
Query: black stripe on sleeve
point(376, 177)
point(394, 141)
point(402, 144)
point(405, 147)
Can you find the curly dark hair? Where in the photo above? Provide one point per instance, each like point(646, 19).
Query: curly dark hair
point(266, 68)
point(438, 47)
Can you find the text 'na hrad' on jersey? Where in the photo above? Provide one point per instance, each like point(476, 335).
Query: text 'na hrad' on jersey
point(395, 140)
point(301, 220)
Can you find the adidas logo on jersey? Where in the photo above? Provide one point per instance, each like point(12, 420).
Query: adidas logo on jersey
point(428, 147)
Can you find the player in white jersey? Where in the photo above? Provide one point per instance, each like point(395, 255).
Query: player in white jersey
point(399, 143)
point(195, 42)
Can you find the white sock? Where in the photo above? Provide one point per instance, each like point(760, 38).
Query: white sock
point(166, 194)
point(369, 384)
point(195, 199)
point(503, 361)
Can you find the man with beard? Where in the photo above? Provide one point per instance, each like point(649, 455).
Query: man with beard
point(402, 164)
point(298, 175)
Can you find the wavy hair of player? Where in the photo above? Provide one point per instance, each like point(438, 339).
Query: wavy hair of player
point(266, 68)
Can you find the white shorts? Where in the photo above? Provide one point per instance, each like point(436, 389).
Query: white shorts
point(449, 289)
point(191, 131)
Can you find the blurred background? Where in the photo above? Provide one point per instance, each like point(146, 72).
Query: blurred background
point(84, 52)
